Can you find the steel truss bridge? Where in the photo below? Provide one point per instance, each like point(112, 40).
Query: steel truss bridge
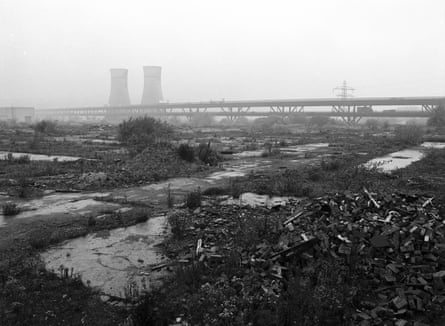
point(351, 110)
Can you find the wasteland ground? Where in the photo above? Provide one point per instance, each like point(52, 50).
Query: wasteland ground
point(251, 265)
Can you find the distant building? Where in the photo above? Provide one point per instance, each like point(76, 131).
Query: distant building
point(17, 114)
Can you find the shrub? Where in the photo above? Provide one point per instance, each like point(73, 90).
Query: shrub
point(315, 174)
point(91, 222)
point(170, 198)
point(186, 152)
point(39, 242)
point(236, 188)
point(139, 133)
point(178, 222)
point(22, 159)
point(409, 134)
point(46, 127)
point(437, 118)
point(207, 155)
point(10, 209)
point(331, 165)
point(24, 188)
point(214, 191)
point(193, 199)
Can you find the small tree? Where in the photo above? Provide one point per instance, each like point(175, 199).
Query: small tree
point(186, 152)
point(140, 133)
point(410, 134)
point(46, 127)
point(437, 118)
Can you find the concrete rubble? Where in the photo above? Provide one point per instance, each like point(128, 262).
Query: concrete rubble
point(390, 248)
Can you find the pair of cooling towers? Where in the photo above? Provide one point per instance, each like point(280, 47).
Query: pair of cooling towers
point(152, 93)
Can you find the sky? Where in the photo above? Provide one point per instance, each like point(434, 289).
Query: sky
point(57, 53)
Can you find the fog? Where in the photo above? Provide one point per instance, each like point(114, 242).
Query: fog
point(57, 53)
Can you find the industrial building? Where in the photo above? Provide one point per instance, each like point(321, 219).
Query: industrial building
point(17, 114)
point(152, 92)
point(119, 95)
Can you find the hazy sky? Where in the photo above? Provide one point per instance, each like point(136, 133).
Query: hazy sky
point(57, 53)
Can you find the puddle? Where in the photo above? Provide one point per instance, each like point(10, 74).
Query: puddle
point(100, 141)
point(402, 159)
point(77, 203)
point(40, 157)
point(245, 154)
point(226, 174)
point(437, 145)
point(238, 170)
point(113, 260)
point(396, 160)
point(289, 149)
point(303, 148)
point(254, 200)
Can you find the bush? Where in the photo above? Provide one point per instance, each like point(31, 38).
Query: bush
point(179, 222)
point(207, 155)
point(10, 209)
point(140, 133)
point(22, 159)
point(193, 199)
point(170, 197)
point(46, 127)
point(186, 152)
point(332, 164)
point(410, 134)
point(236, 188)
point(24, 187)
point(214, 191)
point(437, 118)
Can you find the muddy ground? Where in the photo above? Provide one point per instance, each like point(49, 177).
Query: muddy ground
point(33, 296)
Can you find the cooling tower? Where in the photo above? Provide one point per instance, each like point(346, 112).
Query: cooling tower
point(152, 85)
point(119, 88)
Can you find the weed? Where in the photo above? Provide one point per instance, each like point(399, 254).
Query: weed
point(22, 159)
point(207, 155)
point(39, 242)
point(315, 174)
point(141, 217)
point(178, 221)
point(410, 134)
point(331, 164)
point(24, 188)
point(236, 188)
point(10, 209)
point(170, 200)
point(193, 199)
point(91, 221)
point(214, 191)
point(186, 152)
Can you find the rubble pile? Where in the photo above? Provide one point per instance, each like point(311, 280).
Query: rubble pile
point(396, 243)
point(390, 249)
